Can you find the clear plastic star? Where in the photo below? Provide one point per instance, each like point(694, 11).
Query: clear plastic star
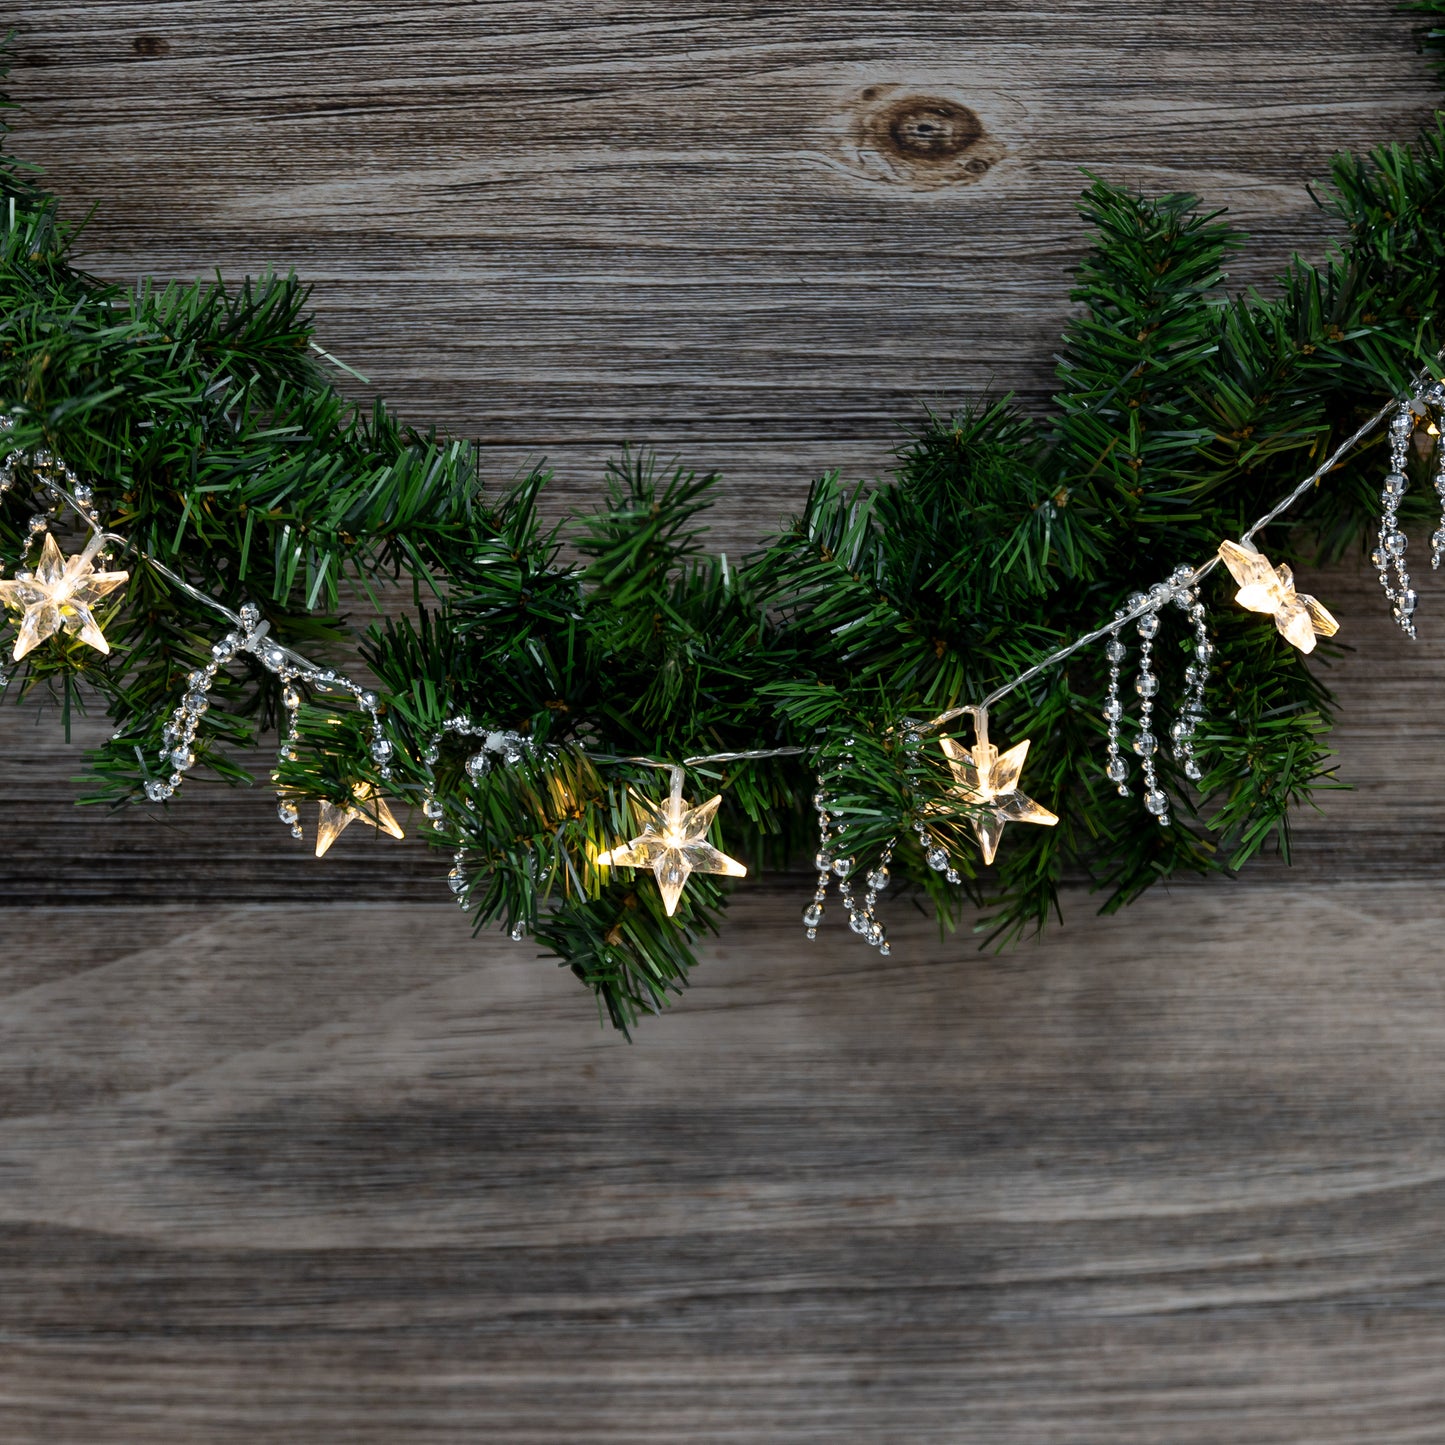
point(1265, 588)
point(988, 781)
point(674, 844)
point(365, 807)
point(60, 593)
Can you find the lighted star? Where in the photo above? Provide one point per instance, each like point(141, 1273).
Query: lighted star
point(988, 782)
point(365, 807)
point(1264, 588)
point(674, 844)
point(60, 593)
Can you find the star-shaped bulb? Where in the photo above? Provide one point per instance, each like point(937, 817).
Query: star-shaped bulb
point(987, 781)
point(366, 806)
point(60, 593)
point(1266, 588)
point(674, 845)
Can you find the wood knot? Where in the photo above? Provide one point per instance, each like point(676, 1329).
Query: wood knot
point(149, 47)
point(922, 140)
point(930, 130)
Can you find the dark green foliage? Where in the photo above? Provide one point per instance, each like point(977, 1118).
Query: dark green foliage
point(217, 446)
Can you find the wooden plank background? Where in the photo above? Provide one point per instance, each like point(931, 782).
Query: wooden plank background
point(286, 1156)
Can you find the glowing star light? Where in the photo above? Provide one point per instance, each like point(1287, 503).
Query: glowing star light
point(988, 781)
point(365, 807)
point(1264, 588)
point(674, 844)
point(60, 593)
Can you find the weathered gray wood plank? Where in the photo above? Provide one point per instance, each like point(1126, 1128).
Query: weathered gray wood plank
point(283, 1173)
point(751, 234)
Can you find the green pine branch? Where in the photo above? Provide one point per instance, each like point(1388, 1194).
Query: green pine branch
point(217, 445)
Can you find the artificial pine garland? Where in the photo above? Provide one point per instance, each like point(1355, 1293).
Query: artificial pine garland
point(555, 691)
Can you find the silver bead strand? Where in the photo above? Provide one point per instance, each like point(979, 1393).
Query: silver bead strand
point(179, 733)
point(1196, 674)
point(1435, 396)
point(1116, 766)
point(1147, 686)
point(286, 808)
point(832, 864)
point(823, 862)
point(457, 880)
point(1389, 553)
point(508, 746)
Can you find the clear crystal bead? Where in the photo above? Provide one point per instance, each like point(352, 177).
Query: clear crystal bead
point(878, 879)
point(1408, 602)
point(937, 859)
point(812, 934)
point(290, 698)
point(953, 876)
point(822, 862)
point(196, 702)
point(433, 808)
point(842, 866)
point(885, 948)
point(1145, 744)
point(1146, 685)
point(1113, 710)
point(368, 701)
point(380, 749)
point(182, 758)
point(1156, 802)
point(478, 764)
point(1179, 729)
point(1115, 650)
point(286, 812)
point(1394, 488)
point(858, 923)
point(1395, 544)
point(156, 790)
point(812, 916)
point(1117, 769)
point(875, 934)
point(516, 934)
point(457, 881)
point(250, 615)
point(1193, 771)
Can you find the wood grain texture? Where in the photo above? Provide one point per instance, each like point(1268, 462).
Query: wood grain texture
point(683, 224)
point(286, 1156)
point(282, 1174)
